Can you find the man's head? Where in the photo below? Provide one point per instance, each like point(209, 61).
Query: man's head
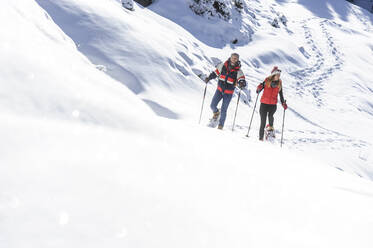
point(234, 59)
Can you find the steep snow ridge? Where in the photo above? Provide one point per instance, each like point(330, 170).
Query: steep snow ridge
point(131, 40)
point(46, 77)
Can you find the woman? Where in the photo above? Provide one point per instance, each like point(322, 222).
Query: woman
point(272, 86)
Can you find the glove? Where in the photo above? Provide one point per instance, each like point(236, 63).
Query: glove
point(207, 80)
point(241, 84)
point(259, 88)
point(284, 105)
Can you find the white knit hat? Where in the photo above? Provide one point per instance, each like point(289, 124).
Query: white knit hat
point(275, 71)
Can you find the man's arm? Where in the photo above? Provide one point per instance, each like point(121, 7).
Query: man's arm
point(241, 79)
point(215, 73)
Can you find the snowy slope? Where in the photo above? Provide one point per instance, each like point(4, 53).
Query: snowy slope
point(85, 162)
point(46, 78)
point(158, 51)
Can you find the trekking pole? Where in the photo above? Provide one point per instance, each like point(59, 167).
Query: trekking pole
point(203, 101)
point(235, 114)
point(257, 95)
point(283, 122)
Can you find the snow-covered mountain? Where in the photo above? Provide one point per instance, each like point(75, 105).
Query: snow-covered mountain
point(99, 136)
point(366, 4)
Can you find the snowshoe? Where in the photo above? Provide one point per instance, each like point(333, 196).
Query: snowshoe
point(214, 121)
point(269, 133)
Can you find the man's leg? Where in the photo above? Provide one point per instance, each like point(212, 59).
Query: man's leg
point(215, 100)
point(224, 107)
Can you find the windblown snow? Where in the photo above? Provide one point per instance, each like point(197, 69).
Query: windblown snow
point(100, 142)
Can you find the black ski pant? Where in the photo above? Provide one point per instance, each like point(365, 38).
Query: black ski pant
point(266, 109)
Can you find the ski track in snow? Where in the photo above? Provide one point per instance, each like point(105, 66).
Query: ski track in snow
point(312, 79)
point(329, 138)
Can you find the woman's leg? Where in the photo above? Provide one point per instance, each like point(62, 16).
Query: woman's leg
point(263, 116)
point(271, 111)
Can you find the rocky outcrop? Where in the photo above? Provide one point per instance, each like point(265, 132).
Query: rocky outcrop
point(144, 3)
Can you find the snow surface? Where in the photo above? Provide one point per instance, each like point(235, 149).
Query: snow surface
point(88, 159)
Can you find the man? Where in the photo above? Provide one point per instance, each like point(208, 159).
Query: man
point(229, 74)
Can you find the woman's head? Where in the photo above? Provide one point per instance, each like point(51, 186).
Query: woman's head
point(275, 73)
